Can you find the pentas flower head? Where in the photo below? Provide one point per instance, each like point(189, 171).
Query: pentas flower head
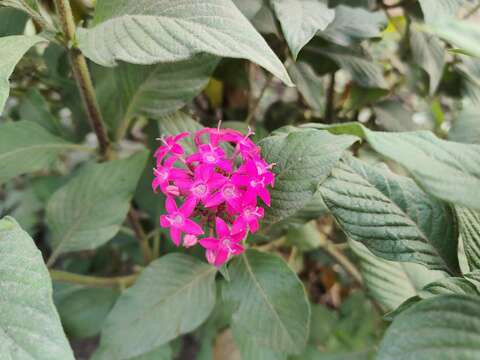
point(218, 188)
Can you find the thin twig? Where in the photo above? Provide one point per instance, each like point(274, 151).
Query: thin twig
point(336, 254)
point(140, 235)
point(329, 109)
point(120, 282)
point(82, 76)
point(471, 12)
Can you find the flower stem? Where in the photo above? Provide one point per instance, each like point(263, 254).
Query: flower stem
point(82, 77)
point(120, 282)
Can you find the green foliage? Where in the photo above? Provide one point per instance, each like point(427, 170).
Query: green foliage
point(370, 248)
point(29, 326)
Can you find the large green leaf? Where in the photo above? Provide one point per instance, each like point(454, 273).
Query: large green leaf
point(82, 309)
point(26, 147)
point(470, 231)
point(29, 326)
point(12, 21)
point(151, 91)
point(309, 84)
point(428, 52)
point(352, 24)
point(445, 169)
point(148, 31)
point(301, 20)
point(12, 50)
point(172, 296)
point(462, 34)
point(303, 160)
point(89, 210)
point(466, 128)
point(391, 283)
point(440, 328)
point(438, 10)
point(363, 70)
point(391, 215)
point(270, 303)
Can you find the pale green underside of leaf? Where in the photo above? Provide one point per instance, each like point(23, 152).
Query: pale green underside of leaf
point(469, 222)
point(466, 128)
point(89, 210)
point(391, 283)
point(429, 53)
point(309, 84)
point(462, 34)
point(303, 160)
point(30, 327)
point(172, 296)
point(26, 147)
point(12, 50)
point(271, 307)
point(301, 20)
point(391, 215)
point(147, 32)
point(438, 10)
point(440, 328)
point(447, 170)
point(353, 24)
point(154, 90)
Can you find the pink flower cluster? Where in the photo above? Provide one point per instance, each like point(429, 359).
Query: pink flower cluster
point(218, 187)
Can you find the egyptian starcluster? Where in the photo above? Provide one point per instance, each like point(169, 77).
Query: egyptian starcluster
point(214, 196)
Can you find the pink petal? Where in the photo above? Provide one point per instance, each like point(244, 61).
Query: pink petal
point(222, 228)
point(225, 165)
point(209, 243)
point(210, 255)
point(214, 200)
point(237, 249)
point(164, 222)
point(191, 227)
point(253, 225)
point(264, 195)
point(188, 206)
point(221, 258)
point(181, 136)
point(175, 234)
point(170, 204)
point(176, 149)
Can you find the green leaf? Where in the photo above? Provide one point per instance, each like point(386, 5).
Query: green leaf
point(13, 49)
point(301, 20)
point(161, 31)
point(463, 34)
point(441, 328)
point(309, 84)
point(437, 10)
point(428, 52)
point(303, 160)
point(12, 22)
point(466, 128)
point(391, 283)
point(393, 116)
point(353, 24)
point(29, 326)
point(26, 147)
point(34, 107)
point(172, 296)
point(270, 303)
point(249, 349)
point(447, 170)
point(89, 210)
point(152, 91)
point(363, 70)
point(449, 285)
point(469, 221)
point(83, 309)
point(391, 215)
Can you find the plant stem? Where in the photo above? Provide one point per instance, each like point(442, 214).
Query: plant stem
point(140, 235)
point(120, 282)
point(472, 11)
point(343, 261)
point(82, 77)
point(329, 108)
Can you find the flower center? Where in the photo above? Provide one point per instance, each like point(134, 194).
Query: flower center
point(200, 189)
point(177, 219)
point(229, 191)
point(162, 174)
point(210, 158)
point(227, 243)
